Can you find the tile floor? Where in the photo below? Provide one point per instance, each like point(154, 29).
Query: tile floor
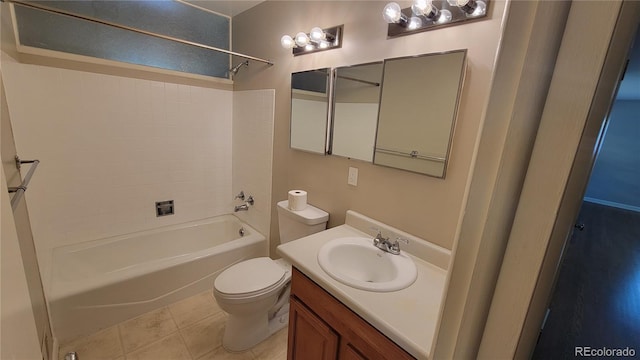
point(189, 329)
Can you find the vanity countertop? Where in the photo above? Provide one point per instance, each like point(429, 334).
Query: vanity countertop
point(408, 316)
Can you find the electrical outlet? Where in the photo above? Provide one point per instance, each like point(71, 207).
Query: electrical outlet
point(353, 176)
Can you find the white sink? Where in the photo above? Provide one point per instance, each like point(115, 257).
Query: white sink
point(356, 262)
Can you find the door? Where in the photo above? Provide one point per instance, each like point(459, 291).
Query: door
point(596, 299)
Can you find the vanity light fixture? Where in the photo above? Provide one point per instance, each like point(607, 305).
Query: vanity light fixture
point(316, 40)
point(472, 8)
point(429, 14)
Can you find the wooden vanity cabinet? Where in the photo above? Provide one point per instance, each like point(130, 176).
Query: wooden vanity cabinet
point(322, 328)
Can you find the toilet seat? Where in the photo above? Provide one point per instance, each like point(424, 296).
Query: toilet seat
point(251, 279)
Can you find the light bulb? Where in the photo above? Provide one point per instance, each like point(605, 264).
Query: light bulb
point(453, 2)
point(414, 23)
point(287, 42)
point(302, 39)
point(392, 13)
point(425, 8)
point(445, 17)
point(317, 34)
point(481, 9)
point(323, 44)
point(472, 8)
point(420, 7)
point(309, 47)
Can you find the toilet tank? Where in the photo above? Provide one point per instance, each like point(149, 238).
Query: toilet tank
point(296, 224)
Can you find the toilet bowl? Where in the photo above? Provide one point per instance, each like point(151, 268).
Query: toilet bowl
point(255, 292)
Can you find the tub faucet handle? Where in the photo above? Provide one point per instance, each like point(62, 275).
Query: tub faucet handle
point(240, 195)
point(250, 200)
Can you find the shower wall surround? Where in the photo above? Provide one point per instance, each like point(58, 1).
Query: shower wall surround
point(111, 146)
point(253, 115)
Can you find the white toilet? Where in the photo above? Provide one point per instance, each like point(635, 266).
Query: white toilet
point(255, 292)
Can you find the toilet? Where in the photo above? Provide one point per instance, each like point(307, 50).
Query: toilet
point(255, 292)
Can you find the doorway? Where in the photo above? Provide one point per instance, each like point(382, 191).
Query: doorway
point(596, 301)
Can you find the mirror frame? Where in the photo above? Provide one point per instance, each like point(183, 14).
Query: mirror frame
point(333, 107)
point(461, 80)
point(327, 127)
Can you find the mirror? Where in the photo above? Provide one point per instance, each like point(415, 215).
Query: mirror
point(356, 95)
point(418, 107)
point(309, 110)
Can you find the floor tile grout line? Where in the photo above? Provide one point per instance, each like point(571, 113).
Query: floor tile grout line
point(124, 350)
point(120, 333)
point(179, 331)
point(124, 354)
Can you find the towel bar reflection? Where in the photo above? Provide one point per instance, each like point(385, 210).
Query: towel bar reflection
point(414, 154)
point(19, 190)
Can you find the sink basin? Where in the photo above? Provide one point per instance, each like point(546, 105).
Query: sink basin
point(356, 262)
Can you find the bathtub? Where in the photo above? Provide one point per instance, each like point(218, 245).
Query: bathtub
point(102, 282)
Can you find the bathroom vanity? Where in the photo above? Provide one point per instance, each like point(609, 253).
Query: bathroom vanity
point(332, 320)
point(321, 327)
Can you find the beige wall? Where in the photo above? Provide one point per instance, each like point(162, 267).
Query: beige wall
point(21, 221)
point(590, 62)
point(19, 282)
point(533, 32)
point(427, 207)
point(18, 334)
point(22, 225)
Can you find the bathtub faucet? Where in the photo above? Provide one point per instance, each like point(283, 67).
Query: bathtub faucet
point(243, 207)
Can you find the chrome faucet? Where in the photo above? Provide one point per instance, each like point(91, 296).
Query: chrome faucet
point(243, 207)
point(385, 244)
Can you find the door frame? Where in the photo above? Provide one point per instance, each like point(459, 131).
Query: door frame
point(594, 49)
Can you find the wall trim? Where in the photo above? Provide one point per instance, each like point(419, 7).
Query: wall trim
point(612, 204)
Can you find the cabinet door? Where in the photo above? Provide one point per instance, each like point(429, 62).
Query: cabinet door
point(348, 352)
point(310, 338)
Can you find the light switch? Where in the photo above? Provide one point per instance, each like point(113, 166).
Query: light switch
point(353, 176)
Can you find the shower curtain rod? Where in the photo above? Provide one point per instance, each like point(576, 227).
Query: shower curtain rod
point(139, 31)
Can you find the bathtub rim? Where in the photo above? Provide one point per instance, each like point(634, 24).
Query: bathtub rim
point(61, 289)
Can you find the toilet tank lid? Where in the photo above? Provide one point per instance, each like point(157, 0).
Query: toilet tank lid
point(311, 215)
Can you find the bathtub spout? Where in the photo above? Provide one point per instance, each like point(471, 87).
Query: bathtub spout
point(243, 207)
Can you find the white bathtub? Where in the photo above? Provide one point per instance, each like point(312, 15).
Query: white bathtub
point(99, 283)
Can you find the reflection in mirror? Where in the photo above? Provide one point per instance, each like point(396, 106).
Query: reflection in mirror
point(309, 110)
point(356, 93)
point(417, 113)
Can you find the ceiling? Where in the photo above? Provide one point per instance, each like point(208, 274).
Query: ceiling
point(230, 8)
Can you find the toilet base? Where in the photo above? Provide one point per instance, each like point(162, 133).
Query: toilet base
point(243, 333)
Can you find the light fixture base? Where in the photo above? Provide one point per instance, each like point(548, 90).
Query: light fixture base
point(333, 41)
point(458, 16)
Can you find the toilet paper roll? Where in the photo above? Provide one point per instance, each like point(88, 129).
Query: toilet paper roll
point(297, 200)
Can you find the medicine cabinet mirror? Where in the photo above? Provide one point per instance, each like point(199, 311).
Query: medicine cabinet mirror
point(399, 113)
point(309, 110)
point(418, 107)
point(356, 95)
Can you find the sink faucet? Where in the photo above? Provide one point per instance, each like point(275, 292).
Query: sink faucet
point(385, 244)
